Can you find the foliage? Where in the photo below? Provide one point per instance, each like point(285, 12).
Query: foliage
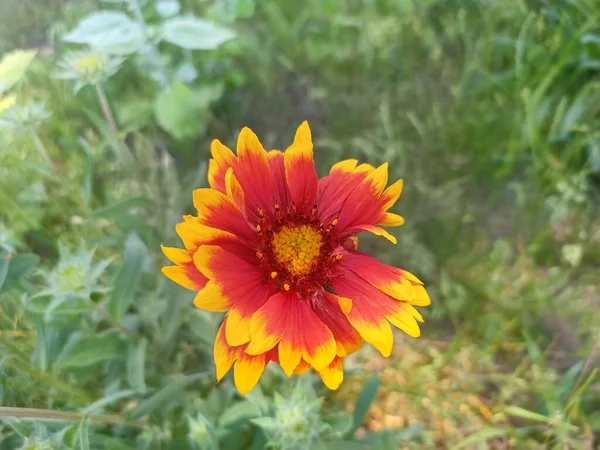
point(489, 110)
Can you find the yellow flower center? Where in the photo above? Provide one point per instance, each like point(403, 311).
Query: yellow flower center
point(297, 248)
point(89, 63)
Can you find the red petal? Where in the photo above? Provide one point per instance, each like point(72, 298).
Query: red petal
point(300, 170)
point(245, 288)
point(288, 320)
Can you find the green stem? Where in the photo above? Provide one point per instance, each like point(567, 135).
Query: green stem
point(34, 413)
point(110, 119)
point(41, 148)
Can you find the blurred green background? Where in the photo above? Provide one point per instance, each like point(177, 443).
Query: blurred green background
point(489, 111)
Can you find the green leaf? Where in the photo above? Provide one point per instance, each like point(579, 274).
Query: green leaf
point(84, 438)
point(340, 422)
point(166, 394)
point(12, 67)
point(363, 402)
point(182, 112)
point(239, 412)
point(192, 33)
point(4, 262)
point(82, 351)
point(341, 445)
point(129, 277)
point(266, 423)
point(135, 366)
point(112, 32)
point(19, 267)
point(98, 405)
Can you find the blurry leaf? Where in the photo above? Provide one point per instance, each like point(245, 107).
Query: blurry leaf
point(167, 8)
point(340, 422)
point(203, 326)
point(257, 397)
point(81, 351)
point(568, 381)
point(482, 437)
point(266, 423)
point(590, 38)
point(341, 445)
point(363, 402)
point(12, 67)
point(84, 438)
point(129, 277)
point(182, 111)
point(110, 31)
point(135, 366)
point(192, 33)
point(123, 208)
point(239, 412)
point(88, 170)
point(99, 404)
point(165, 395)
point(4, 262)
point(19, 267)
point(517, 411)
point(7, 102)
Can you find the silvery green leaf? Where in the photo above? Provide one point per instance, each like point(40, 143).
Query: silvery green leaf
point(112, 32)
point(195, 34)
point(266, 423)
point(186, 72)
point(167, 8)
point(13, 66)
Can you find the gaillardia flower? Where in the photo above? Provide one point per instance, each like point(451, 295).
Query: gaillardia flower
point(275, 247)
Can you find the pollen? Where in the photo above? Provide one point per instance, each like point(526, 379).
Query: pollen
point(297, 248)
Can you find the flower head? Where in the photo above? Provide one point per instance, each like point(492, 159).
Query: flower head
point(275, 248)
point(87, 67)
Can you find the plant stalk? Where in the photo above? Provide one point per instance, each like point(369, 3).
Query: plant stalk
point(41, 148)
point(35, 413)
point(110, 119)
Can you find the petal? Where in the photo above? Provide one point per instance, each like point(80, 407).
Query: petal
point(396, 283)
point(357, 198)
point(238, 327)
point(392, 220)
point(247, 371)
point(328, 309)
point(377, 231)
point(281, 192)
point(333, 374)
point(300, 170)
point(223, 159)
point(392, 194)
point(303, 367)
point(347, 165)
point(245, 289)
point(234, 190)
point(193, 234)
point(216, 210)
point(253, 173)
point(369, 310)
point(404, 320)
point(289, 320)
point(224, 354)
point(211, 298)
point(186, 276)
point(421, 296)
point(177, 255)
point(334, 189)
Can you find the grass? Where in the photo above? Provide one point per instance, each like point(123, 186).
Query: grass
point(488, 110)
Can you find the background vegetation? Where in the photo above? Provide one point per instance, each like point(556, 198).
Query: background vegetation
point(489, 110)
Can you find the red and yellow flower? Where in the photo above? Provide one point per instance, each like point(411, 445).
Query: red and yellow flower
point(274, 246)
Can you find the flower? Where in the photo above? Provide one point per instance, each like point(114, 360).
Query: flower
point(275, 248)
point(87, 67)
